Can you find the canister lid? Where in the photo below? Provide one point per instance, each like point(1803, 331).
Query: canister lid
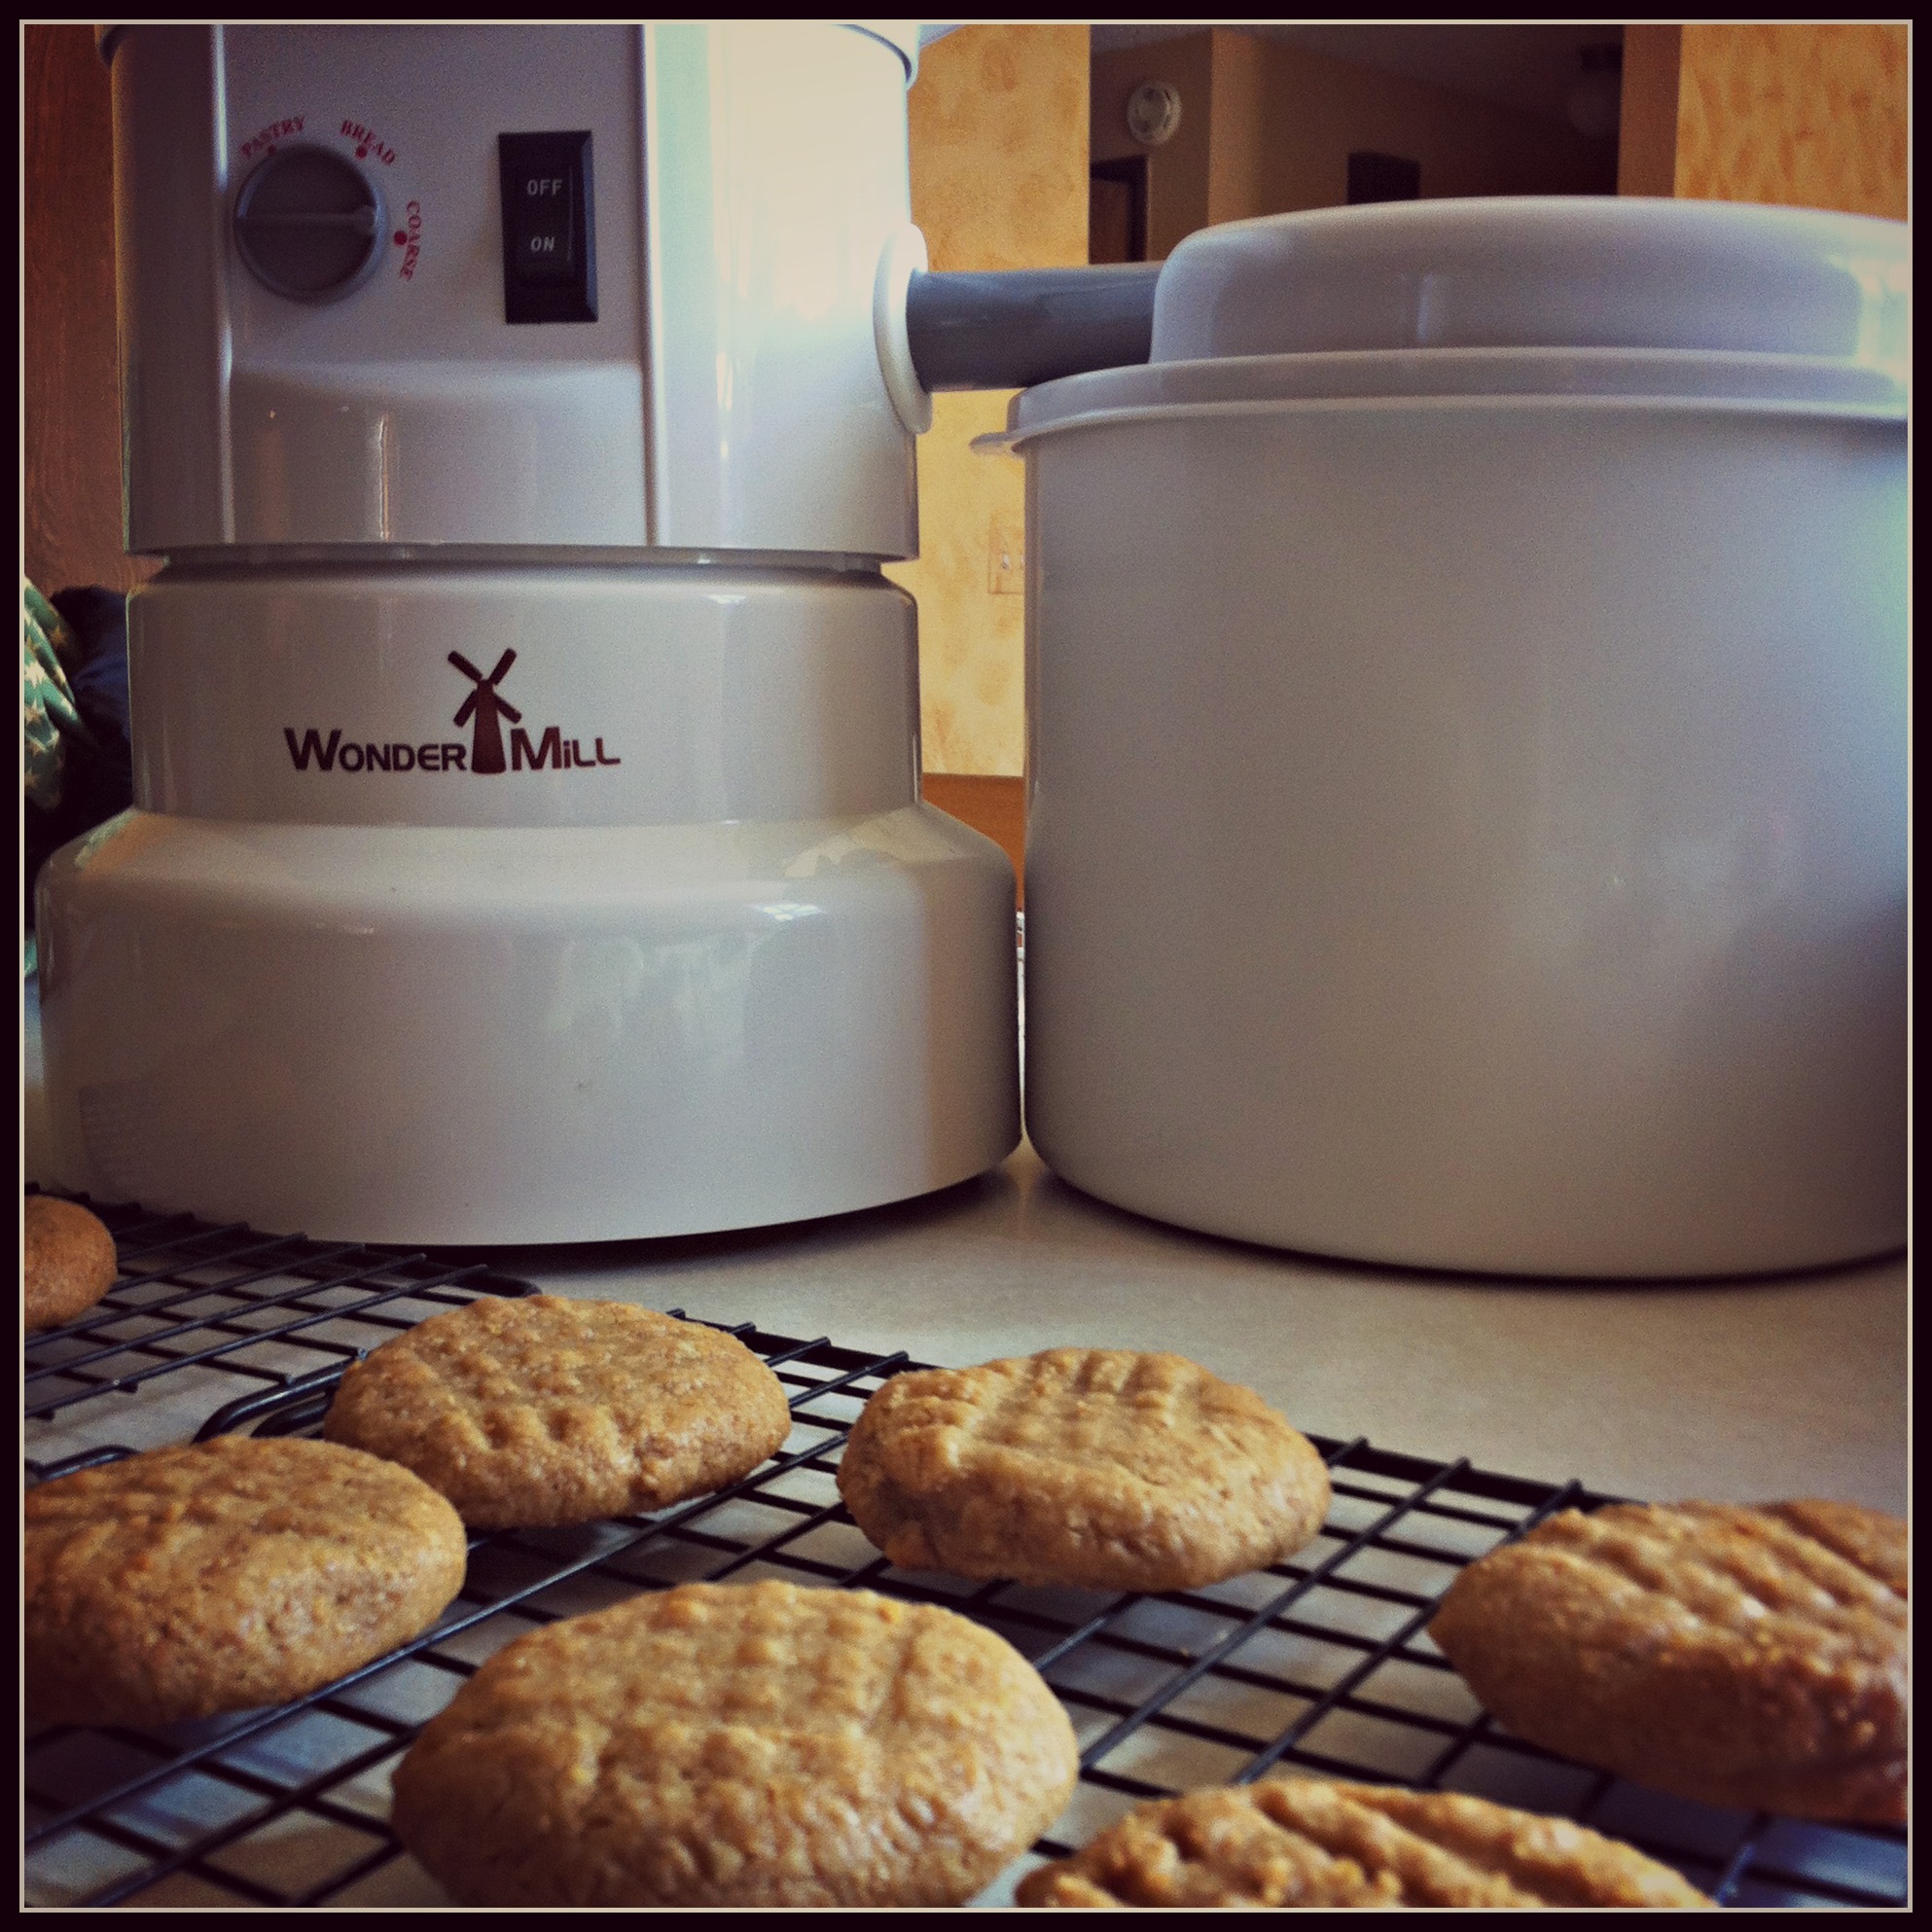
point(1549, 271)
point(1445, 296)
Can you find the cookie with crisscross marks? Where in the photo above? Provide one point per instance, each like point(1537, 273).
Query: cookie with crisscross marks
point(223, 1575)
point(1288, 1841)
point(1094, 1467)
point(547, 1410)
point(751, 1745)
point(1735, 1655)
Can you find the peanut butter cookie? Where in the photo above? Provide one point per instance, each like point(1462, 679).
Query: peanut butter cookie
point(224, 1575)
point(67, 1261)
point(548, 1411)
point(1299, 1843)
point(1084, 1466)
point(739, 1745)
point(1738, 1657)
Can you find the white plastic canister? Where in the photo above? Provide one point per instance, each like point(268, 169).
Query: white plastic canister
point(1467, 762)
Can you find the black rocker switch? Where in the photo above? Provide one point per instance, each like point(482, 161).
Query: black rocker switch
point(549, 268)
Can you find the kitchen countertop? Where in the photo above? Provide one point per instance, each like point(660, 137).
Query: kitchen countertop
point(1740, 1390)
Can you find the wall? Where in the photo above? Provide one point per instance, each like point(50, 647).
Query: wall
point(1647, 128)
point(1178, 170)
point(999, 181)
point(1810, 116)
point(71, 394)
point(1242, 110)
point(1321, 109)
point(1268, 127)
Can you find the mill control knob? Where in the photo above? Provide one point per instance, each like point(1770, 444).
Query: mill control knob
point(308, 224)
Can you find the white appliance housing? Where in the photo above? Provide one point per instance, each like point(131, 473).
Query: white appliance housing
point(1467, 740)
point(527, 842)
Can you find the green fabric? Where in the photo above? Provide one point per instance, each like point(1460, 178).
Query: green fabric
point(47, 701)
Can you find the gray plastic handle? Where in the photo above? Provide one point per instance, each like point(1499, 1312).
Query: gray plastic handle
point(1020, 325)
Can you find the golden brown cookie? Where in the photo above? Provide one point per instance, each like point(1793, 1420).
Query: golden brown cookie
point(224, 1575)
point(1301, 1842)
point(548, 1411)
point(67, 1262)
point(1738, 1657)
point(738, 1744)
point(1085, 1466)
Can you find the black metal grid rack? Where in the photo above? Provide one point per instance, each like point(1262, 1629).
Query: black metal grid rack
point(221, 1312)
point(1321, 1665)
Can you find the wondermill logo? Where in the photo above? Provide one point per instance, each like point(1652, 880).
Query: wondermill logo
point(485, 709)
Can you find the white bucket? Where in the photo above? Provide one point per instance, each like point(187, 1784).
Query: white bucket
point(1467, 769)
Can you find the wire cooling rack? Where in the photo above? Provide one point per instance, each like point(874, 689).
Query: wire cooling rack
point(219, 1312)
point(1321, 1665)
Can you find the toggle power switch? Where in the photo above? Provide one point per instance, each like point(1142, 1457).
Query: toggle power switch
point(550, 269)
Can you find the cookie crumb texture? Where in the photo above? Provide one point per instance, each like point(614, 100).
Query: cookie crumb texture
point(546, 1411)
point(738, 1744)
point(1096, 1468)
point(224, 1575)
point(67, 1261)
point(1299, 1843)
point(1751, 1657)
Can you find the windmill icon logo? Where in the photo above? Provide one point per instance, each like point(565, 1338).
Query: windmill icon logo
point(485, 706)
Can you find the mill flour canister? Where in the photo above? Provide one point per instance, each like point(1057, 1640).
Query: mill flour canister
point(1467, 670)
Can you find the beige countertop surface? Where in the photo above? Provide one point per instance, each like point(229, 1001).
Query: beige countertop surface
point(1738, 1391)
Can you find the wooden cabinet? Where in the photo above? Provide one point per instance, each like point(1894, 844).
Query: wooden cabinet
point(72, 404)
